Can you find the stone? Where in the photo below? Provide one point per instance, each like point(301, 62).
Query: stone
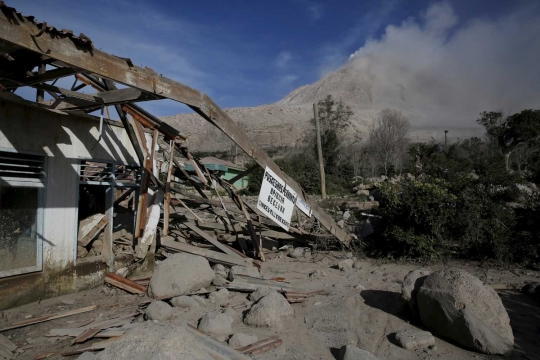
point(219, 297)
point(358, 264)
point(345, 265)
point(158, 310)
point(360, 287)
point(216, 324)
point(341, 223)
point(363, 192)
point(346, 215)
point(411, 340)
point(269, 310)
point(202, 301)
point(243, 270)
point(180, 274)
point(318, 274)
point(299, 252)
point(219, 281)
point(163, 341)
point(454, 304)
point(259, 293)
point(220, 270)
point(412, 282)
point(371, 198)
point(184, 302)
point(240, 340)
point(86, 356)
point(349, 352)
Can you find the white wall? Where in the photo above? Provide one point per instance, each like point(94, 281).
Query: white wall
point(65, 140)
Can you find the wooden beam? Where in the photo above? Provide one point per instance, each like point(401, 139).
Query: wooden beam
point(167, 196)
point(213, 256)
point(21, 31)
point(210, 239)
point(243, 174)
point(125, 284)
point(50, 317)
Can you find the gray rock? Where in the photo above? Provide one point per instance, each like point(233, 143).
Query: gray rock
point(346, 215)
point(220, 270)
point(158, 310)
point(86, 356)
point(454, 304)
point(363, 192)
point(269, 310)
point(216, 324)
point(259, 293)
point(219, 297)
point(199, 299)
point(360, 287)
point(349, 352)
point(318, 274)
point(412, 282)
point(163, 341)
point(184, 302)
point(180, 274)
point(345, 265)
point(341, 223)
point(410, 340)
point(243, 270)
point(299, 252)
point(240, 340)
point(219, 281)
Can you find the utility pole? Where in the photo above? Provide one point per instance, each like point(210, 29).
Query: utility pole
point(319, 150)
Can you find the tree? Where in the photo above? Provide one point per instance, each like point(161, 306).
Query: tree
point(510, 132)
point(334, 119)
point(388, 138)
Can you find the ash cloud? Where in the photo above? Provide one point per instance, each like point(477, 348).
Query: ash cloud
point(444, 71)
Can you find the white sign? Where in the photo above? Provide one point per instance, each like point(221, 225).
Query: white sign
point(276, 199)
point(303, 206)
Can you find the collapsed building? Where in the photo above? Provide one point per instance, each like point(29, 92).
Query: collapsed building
point(83, 194)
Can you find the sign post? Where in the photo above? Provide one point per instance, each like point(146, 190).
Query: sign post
point(276, 199)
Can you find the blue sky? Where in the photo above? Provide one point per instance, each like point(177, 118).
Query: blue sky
point(241, 53)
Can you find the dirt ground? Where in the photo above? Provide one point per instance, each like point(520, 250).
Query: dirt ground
point(349, 314)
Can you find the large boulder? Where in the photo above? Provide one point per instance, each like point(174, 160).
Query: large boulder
point(412, 282)
point(454, 304)
point(180, 274)
point(269, 310)
point(163, 341)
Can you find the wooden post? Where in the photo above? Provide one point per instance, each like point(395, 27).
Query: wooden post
point(319, 150)
point(40, 96)
point(167, 197)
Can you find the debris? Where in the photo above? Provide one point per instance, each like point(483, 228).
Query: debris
point(240, 340)
point(243, 270)
point(46, 355)
point(185, 302)
point(212, 256)
point(261, 346)
point(219, 281)
point(216, 324)
point(158, 310)
point(94, 347)
point(318, 274)
point(220, 270)
point(180, 274)
point(50, 317)
point(125, 284)
point(6, 348)
point(297, 297)
point(411, 340)
point(87, 334)
point(268, 311)
point(349, 352)
point(90, 227)
point(412, 282)
point(345, 265)
point(454, 304)
point(299, 252)
point(219, 297)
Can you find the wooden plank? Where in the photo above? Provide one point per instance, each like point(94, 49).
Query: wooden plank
point(94, 347)
point(125, 284)
point(261, 346)
point(262, 282)
point(257, 245)
point(50, 317)
point(243, 174)
point(167, 195)
point(7, 344)
point(90, 227)
point(87, 334)
point(210, 239)
point(5, 354)
point(213, 256)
